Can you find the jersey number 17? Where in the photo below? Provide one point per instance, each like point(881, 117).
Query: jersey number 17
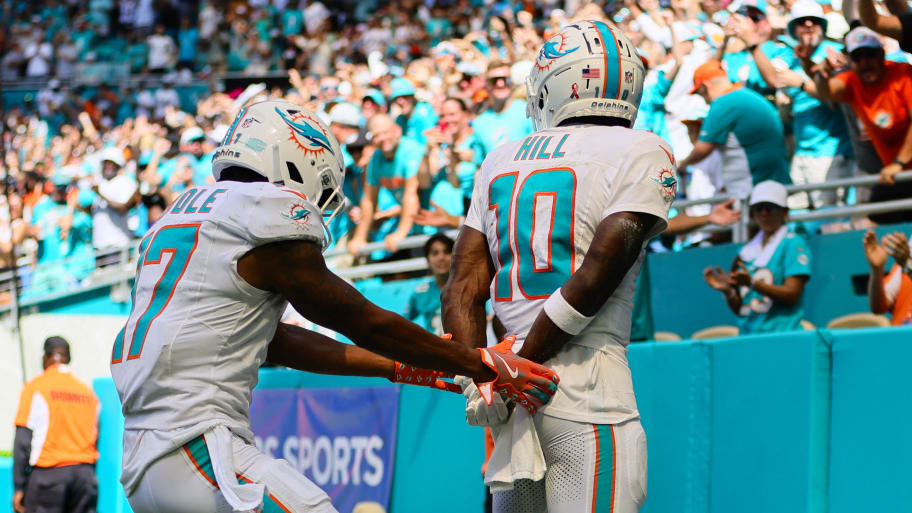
point(180, 240)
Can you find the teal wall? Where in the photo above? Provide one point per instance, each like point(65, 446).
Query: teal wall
point(806, 422)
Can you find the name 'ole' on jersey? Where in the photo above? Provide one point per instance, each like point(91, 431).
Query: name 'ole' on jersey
point(187, 358)
point(539, 202)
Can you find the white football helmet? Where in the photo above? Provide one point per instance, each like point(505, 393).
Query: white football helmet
point(291, 147)
point(590, 68)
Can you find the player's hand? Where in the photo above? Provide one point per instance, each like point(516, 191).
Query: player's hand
point(529, 384)
point(477, 412)
point(874, 252)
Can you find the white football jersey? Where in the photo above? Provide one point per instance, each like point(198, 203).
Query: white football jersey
point(187, 357)
point(539, 202)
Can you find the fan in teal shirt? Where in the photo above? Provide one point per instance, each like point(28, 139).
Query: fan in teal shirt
point(415, 117)
point(423, 307)
point(820, 130)
point(761, 314)
point(766, 285)
point(65, 254)
point(494, 128)
point(742, 68)
point(748, 131)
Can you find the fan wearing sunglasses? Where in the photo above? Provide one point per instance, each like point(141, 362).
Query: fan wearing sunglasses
point(767, 278)
point(880, 93)
point(505, 118)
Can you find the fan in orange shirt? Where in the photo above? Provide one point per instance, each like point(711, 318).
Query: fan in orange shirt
point(880, 93)
point(893, 292)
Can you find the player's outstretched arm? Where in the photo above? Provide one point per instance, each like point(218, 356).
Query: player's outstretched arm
point(617, 243)
point(463, 299)
point(307, 350)
point(296, 270)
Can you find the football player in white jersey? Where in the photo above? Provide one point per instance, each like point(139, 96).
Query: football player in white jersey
point(215, 274)
point(555, 237)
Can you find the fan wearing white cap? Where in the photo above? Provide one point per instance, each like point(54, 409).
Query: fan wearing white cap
point(215, 274)
point(880, 93)
point(767, 279)
point(116, 193)
point(554, 237)
point(197, 151)
point(823, 149)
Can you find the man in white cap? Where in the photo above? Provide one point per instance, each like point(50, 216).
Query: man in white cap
point(880, 93)
point(766, 282)
point(194, 146)
point(823, 148)
point(116, 194)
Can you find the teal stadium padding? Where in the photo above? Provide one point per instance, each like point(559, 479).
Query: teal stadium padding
point(871, 446)
point(748, 425)
point(770, 411)
point(6, 484)
point(111, 498)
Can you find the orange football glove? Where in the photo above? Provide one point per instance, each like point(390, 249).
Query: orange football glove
point(525, 382)
point(405, 373)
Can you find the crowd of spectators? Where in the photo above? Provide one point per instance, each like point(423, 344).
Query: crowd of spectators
point(418, 92)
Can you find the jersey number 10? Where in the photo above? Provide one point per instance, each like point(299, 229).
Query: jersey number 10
point(180, 240)
point(541, 219)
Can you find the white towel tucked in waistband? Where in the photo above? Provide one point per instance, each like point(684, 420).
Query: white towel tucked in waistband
point(241, 497)
point(517, 453)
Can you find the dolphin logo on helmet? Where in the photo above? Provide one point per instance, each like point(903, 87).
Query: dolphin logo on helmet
point(589, 68)
point(551, 50)
point(306, 131)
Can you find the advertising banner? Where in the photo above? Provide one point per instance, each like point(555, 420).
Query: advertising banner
point(342, 439)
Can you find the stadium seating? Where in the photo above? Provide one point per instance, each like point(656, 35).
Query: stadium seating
point(721, 331)
point(858, 320)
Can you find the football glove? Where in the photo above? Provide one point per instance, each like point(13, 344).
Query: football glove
point(477, 412)
point(405, 373)
point(527, 383)
point(409, 375)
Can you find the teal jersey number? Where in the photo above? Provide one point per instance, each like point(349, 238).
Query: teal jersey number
point(180, 241)
point(539, 275)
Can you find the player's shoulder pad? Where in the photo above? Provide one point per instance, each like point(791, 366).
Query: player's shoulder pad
point(283, 214)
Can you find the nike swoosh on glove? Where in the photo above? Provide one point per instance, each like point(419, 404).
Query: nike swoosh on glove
point(527, 383)
point(477, 412)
